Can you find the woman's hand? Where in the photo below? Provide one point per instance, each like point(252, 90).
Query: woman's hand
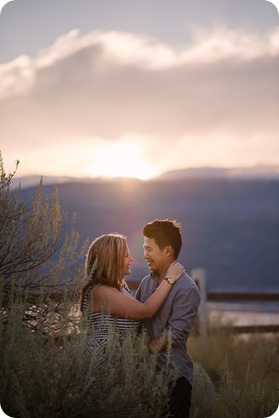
point(175, 271)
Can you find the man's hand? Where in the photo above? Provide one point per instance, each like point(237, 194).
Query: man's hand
point(159, 344)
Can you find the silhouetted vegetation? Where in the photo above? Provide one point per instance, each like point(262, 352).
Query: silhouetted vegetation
point(37, 249)
point(44, 374)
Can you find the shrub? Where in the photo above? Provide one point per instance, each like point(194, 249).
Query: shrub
point(47, 375)
point(36, 248)
point(203, 394)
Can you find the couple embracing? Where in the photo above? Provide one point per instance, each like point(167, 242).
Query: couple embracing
point(166, 302)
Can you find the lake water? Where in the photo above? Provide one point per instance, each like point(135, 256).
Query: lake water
point(245, 313)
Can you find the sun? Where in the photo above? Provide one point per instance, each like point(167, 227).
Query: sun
point(121, 158)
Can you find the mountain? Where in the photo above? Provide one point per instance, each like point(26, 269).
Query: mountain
point(266, 172)
point(230, 226)
point(34, 180)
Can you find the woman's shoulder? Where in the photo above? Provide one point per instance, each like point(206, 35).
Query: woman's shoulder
point(102, 294)
point(101, 289)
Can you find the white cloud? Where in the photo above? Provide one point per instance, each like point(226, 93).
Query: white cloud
point(223, 43)
point(17, 77)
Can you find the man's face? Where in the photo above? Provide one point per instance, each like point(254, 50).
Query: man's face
point(156, 258)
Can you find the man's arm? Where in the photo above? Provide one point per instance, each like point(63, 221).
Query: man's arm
point(181, 321)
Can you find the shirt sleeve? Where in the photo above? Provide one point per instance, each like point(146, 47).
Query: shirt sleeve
point(184, 314)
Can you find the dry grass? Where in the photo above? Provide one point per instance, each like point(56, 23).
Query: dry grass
point(244, 372)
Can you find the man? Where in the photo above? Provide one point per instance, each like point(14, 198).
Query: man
point(176, 317)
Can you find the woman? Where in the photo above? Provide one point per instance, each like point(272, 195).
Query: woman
point(106, 298)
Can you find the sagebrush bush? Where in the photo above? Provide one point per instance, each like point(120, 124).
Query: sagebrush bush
point(45, 374)
point(38, 247)
point(203, 393)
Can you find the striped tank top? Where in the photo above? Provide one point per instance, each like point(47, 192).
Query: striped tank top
point(100, 325)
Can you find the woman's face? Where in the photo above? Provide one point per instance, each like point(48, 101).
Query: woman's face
point(127, 262)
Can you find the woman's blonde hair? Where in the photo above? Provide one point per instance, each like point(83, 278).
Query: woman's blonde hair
point(105, 261)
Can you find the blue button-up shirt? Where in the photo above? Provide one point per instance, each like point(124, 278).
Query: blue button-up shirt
point(176, 318)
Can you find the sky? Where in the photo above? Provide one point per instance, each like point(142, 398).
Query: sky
point(135, 88)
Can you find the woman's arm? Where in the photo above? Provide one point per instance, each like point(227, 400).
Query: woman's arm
point(120, 304)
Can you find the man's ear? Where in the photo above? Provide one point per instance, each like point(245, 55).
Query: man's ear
point(168, 250)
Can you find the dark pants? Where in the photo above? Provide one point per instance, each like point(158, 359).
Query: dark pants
point(180, 399)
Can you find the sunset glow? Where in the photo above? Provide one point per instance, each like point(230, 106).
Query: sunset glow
point(120, 159)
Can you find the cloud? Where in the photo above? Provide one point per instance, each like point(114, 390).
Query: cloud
point(210, 98)
point(103, 52)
